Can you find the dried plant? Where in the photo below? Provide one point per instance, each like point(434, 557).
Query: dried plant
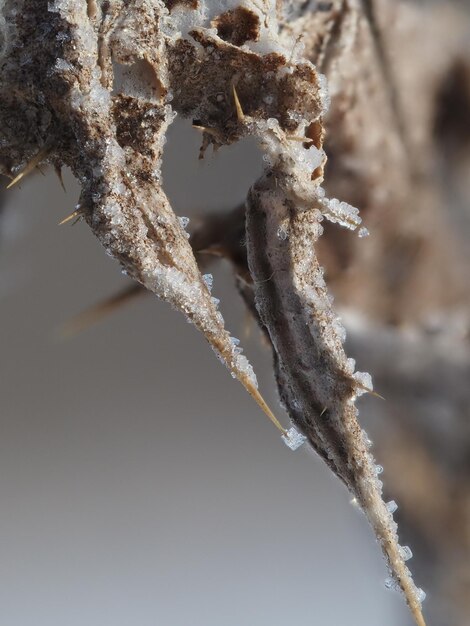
point(94, 86)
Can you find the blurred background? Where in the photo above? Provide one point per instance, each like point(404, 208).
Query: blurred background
point(141, 485)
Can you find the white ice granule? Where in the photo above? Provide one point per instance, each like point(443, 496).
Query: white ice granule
point(391, 583)
point(324, 93)
point(392, 506)
point(420, 595)
point(63, 65)
point(184, 221)
point(341, 213)
point(236, 345)
point(293, 439)
point(406, 553)
point(365, 382)
point(243, 366)
point(209, 280)
point(297, 159)
point(282, 233)
point(339, 329)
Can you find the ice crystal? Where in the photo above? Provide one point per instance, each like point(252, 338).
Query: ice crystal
point(209, 281)
point(293, 438)
point(420, 595)
point(406, 553)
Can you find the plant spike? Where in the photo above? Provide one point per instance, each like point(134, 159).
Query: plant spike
point(238, 106)
point(95, 314)
point(31, 165)
point(78, 213)
point(105, 85)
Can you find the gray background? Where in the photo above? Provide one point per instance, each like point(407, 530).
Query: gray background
point(139, 484)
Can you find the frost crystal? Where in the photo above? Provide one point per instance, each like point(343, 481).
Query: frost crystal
point(245, 367)
point(420, 595)
point(209, 280)
point(390, 583)
point(282, 233)
point(406, 553)
point(365, 382)
point(293, 439)
point(342, 213)
point(236, 345)
point(324, 92)
point(392, 506)
point(61, 64)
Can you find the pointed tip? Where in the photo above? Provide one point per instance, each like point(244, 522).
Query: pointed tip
point(217, 251)
point(30, 166)
point(210, 131)
point(15, 180)
point(247, 325)
point(260, 401)
point(58, 172)
point(299, 139)
point(418, 616)
point(369, 496)
point(70, 217)
point(103, 309)
point(374, 393)
point(238, 106)
point(368, 390)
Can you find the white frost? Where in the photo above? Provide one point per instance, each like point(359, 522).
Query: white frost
point(293, 439)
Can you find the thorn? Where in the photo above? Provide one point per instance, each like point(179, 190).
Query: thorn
point(31, 165)
point(324, 411)
point(299, 139)
point(101, 310)
point(217, 251)
point(375, 394)
point(258, 398)
point(238, 106)
point(209, 131)
point(368, 390)
point(58, 171)
point(247, 325)
point(76, 214)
